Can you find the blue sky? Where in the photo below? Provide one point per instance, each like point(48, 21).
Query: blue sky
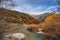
point(35, 6)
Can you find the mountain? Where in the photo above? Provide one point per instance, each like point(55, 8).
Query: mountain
point(42, 17)
point(16, 17)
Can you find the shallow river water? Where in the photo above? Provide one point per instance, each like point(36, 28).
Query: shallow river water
point(31, 35)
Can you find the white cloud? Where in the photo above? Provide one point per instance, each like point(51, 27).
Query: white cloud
point(28, 8)
point(21, 1)
point(51, 7)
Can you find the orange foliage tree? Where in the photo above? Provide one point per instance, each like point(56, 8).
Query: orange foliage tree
point(52, 23)
point(33, 27)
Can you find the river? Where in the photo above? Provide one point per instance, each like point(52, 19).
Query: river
point(31, 35)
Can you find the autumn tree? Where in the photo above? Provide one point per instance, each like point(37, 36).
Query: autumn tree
point(53, 24)
point(53, 20)
point(33, 27)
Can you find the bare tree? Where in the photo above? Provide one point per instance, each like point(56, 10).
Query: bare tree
point(58, 8)
point(7, 3)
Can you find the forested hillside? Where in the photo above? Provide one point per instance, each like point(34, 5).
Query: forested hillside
point(16, 17)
